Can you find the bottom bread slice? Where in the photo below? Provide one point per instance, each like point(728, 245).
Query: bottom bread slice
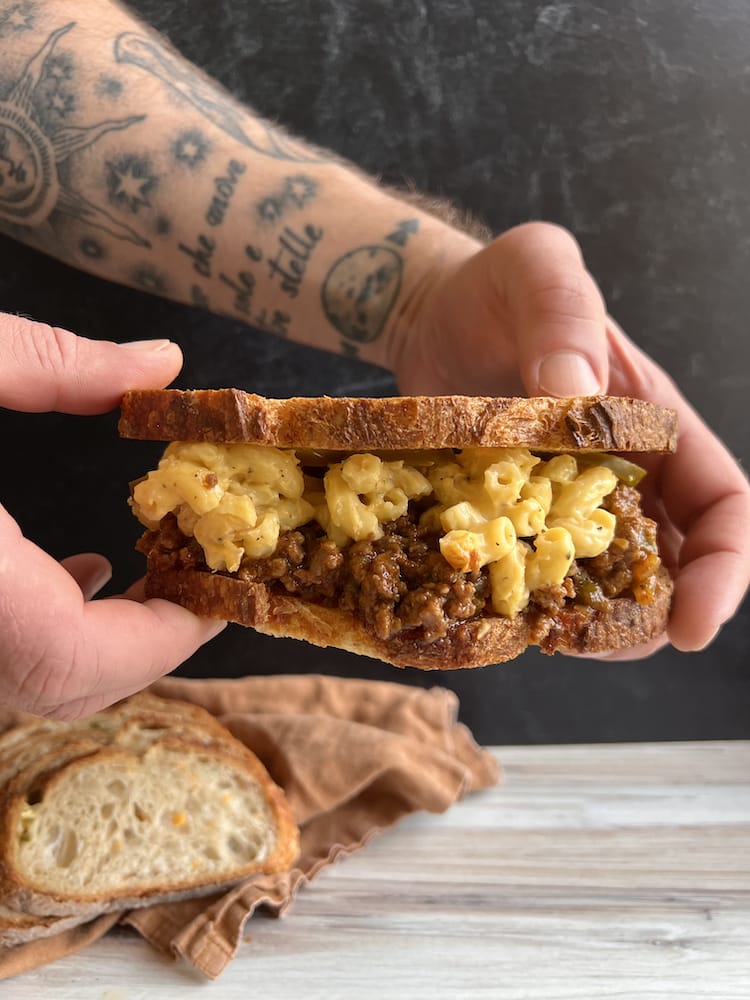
point(17, 927)
point(476, 642)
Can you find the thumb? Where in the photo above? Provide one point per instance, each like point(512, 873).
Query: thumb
point(43, 368)
point(557, 312)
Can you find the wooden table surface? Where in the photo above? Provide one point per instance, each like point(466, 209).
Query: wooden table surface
point(592, 872)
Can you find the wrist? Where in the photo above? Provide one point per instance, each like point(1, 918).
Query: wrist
point(433, 259)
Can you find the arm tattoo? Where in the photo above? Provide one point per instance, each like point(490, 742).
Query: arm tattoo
point(130, 182)
point(190, 148)
point(296, 192)
point(403, 231)
point(34, 142)
point(16, 17)
point(359, 292)
point(224, 188)
point(150, 279)
point(252, 132)
point(109, 87)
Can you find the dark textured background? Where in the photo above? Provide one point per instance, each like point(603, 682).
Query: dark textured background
point(624, 120)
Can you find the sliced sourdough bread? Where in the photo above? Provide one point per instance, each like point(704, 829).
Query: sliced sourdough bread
point(155, 807)
point(21, 928)
point(542, 423)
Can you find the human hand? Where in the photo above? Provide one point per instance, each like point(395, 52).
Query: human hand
point(62, 654)
point(524, 316)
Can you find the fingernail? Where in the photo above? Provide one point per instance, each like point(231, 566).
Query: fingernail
point(568, 373)
point(101, 576)
point(709, 641)
point(213, 629)
point(146, 345)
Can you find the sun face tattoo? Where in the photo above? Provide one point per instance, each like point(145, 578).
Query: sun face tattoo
point(32, 149)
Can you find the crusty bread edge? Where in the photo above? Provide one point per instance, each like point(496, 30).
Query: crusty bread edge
point(21, 928)
point(484, 640)
point(542, 423)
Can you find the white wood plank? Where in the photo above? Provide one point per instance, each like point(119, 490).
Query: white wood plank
point(593, 873)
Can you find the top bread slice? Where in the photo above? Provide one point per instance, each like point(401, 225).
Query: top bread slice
point(547, 424)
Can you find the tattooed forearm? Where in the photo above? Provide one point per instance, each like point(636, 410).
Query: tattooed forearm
point(34, 147)
point(182, 192)
point(218, 108)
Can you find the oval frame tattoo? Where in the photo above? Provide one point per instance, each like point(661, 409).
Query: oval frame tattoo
point(360, 290)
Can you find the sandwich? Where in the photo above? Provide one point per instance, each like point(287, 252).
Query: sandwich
point(434, 532)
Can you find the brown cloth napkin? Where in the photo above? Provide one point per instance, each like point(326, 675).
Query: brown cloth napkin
point(353, 757)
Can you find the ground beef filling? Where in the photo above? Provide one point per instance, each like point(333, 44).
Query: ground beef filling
point(401, 582)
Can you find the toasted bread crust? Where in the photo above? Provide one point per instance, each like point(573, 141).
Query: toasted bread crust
point(476, 643)
point(590, 423)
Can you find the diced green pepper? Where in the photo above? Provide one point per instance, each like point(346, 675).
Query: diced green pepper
point(627, 472)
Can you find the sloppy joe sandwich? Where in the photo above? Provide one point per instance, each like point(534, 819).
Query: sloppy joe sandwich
point(436, 532)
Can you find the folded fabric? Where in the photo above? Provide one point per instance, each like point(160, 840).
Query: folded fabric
point(353, 757)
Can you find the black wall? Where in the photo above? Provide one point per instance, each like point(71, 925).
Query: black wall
point(624, 120)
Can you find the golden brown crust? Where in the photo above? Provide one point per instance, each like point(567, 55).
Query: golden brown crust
point(479, 642)
point(590, 423)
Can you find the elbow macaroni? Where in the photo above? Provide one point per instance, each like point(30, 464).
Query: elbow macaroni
point(524, 518)
point(233, 499)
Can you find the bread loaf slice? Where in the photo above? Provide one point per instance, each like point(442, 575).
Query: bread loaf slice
point(590, 423)
point(143, 813)
point(21, 928)
point(143, 716)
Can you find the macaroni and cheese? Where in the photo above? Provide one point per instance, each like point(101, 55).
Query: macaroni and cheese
point(524, 518)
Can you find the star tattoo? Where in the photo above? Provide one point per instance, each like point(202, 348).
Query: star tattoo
point(148, 278)
point(130, 182)
point(190, 148)
point(61, 103)
point(17, 17)
point(299, 190)
point(58, 68)
point(269, 210)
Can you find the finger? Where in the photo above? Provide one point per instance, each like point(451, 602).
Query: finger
point(43, 368)
point(519, 315)
point(556, 307)
point(90, 571)
point(714, 573)
point(56, 648)
point(706, 497)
